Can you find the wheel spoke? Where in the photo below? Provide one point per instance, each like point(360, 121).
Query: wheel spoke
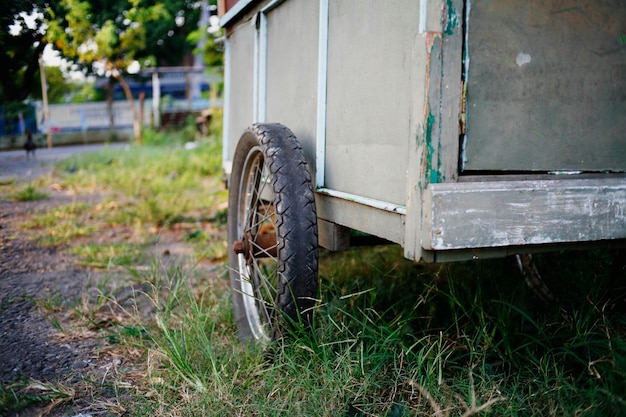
point(265, 292)
point(260, 265)
point(251, 195)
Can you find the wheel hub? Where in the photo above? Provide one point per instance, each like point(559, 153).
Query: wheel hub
point(263, 245)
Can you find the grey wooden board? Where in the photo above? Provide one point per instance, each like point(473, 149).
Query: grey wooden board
point(509, 213)
point(547, 85)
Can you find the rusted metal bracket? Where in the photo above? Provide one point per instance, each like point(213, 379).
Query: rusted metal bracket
point(263, 245)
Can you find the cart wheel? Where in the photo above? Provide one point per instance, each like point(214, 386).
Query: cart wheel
point(272, 225)
point(533, 279)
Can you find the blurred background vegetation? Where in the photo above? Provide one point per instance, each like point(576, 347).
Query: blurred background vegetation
point(88, 50)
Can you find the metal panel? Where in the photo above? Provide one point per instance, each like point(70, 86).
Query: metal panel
point(292, 50)
point(241, 75)
point(369, 110)
point(382, 223)
point(515, 213)
point(547, 85)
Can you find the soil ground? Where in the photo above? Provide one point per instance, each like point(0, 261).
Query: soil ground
point(39, 286)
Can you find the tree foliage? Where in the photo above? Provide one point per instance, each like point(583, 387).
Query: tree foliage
point(100, 36)
point(20, 48)
point(211, 49)
point(167, 42)
point(107, 36)
point(153, 32)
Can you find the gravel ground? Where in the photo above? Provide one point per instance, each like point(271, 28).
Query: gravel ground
point(38, 286)
point(31, 347)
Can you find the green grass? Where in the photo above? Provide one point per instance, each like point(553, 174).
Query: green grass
point(207, 244)
point(390, 338)
point(145, 188)
point(62, 224)
point(29, 193)
point(35, 393)
point(393, 338)
point(156, 185)
point(109, 255)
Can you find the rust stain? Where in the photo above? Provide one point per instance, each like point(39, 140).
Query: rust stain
point(431, 37)
point(463, 110)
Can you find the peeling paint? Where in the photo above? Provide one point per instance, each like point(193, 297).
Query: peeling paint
point(466, 55)
point(465, 77)
point(431, 169)
point(452, 20)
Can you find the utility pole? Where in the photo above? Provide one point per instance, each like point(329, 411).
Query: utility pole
point(44, 96)
point(198, 59)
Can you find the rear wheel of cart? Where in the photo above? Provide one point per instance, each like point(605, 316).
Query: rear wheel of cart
point(272, 227)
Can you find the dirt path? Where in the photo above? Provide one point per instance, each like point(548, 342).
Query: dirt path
point(39, 288)
point(34, 282)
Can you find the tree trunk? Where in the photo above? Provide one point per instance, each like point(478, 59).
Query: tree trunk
point(129, 96)
point(110, 107)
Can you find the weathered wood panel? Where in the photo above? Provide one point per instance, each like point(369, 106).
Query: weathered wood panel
point(547, 85)
point(509, 213)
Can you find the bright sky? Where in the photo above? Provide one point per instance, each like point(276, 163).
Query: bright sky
point(30, 22)
point(51, 57)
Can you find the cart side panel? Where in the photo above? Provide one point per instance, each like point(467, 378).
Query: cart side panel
point(292, 44)
point(547, 86)
point(241, 72)
point(370, 100)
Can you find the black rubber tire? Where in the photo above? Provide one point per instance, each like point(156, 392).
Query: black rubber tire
point(271, 293)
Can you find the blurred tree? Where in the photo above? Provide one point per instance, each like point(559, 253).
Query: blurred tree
point(86, 91)
point(22, 40)
point(63, 89)
point(58, 87)
point(207, 39)
point(167, 40)
point(107, 36)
